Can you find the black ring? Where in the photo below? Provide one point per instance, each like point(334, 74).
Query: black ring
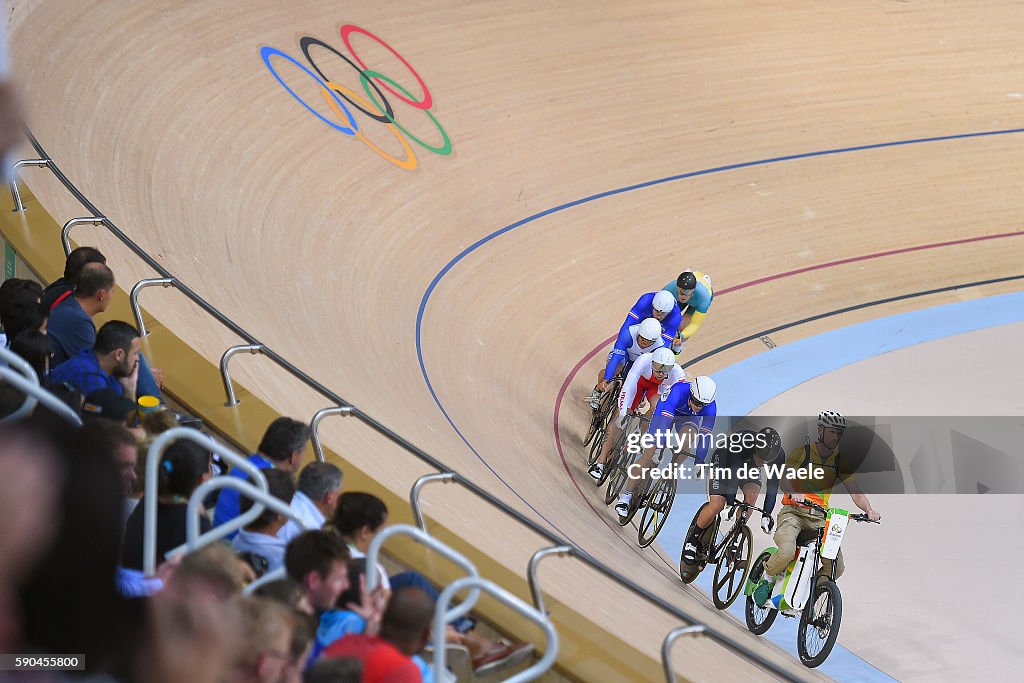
point(389, 113)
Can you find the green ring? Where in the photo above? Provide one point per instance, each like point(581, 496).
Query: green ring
point(364, 77)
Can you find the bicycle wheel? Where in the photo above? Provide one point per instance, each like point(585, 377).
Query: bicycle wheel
point(618, 473)
point(732, 568)
point(759, 619)
point(606, 411)
point(659, 504)
point(592, 429)
point(819, 624)
point(618, 452)
point(599, 436)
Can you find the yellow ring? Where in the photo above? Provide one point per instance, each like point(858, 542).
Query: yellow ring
point(408, 164)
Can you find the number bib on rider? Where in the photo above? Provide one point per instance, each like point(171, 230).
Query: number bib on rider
point(834, 531)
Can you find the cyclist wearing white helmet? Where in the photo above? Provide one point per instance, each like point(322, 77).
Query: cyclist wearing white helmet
point(691, 403)
point(653, 374)
point(794, 518)
point(692, 289)
point(662, 307)
point(630, 344)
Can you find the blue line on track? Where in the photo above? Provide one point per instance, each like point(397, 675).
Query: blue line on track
point(629, 188)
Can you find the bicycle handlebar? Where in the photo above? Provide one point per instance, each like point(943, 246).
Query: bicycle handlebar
point(858, 517)
point(862, 517)
point(733, 504)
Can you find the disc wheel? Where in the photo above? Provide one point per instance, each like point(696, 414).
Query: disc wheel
point(732, 568)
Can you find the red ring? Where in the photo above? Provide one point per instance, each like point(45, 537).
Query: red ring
point(428, 100)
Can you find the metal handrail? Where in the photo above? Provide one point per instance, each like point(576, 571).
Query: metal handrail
point(153, 458)
point(388, 433)
point(133, 299)
point(314, 426)
point(27, 383)
point(65, 232)
point(442, 618)
point(194, 539)
point(414, 494)
point(225, 376)
point(626, 583)
point(23, 366)
point(420, 536)
point(666, 647)
point(12, 176)
point(531, 572)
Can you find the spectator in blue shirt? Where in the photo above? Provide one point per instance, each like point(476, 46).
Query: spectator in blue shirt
point(112, 364)
point(259, 538)
point(283, 447)
point(64, 287)
point(73, 330)
point(70, 325)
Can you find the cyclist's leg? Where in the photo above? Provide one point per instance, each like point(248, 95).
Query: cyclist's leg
point(826, 566)
point(788, 528)
point(696, 541)
point(611, 436)
point(751, 489)
point(634, 474)
point(643, 465)
point(722, 490)
point(595, 397)
point(614, 429)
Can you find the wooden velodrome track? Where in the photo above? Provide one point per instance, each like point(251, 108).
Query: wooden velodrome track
point(391, 286)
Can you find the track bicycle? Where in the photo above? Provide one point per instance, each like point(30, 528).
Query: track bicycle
point(600, 418)
point(730, 554)
point(820, 615)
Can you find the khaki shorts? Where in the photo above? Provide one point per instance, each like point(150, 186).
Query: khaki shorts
point(791, 521)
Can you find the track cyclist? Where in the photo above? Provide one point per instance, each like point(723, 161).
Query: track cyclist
point(653, 374)
point(662, 307)
point(691, 403)
point(794, 517)
point(694, 293)
point(632, 342)
point(746, 450)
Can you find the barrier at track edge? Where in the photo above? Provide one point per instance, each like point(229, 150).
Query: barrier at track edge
point(351, 410)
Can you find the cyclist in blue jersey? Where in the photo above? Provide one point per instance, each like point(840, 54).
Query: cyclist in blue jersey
point(689, 403)
point(662, 307)
point(632, 342)
point(694, 293)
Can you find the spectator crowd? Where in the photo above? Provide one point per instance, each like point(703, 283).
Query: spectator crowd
point(72, 529)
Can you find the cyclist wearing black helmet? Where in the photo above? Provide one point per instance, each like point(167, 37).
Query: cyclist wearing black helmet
point(694, 293)
point(745, 448)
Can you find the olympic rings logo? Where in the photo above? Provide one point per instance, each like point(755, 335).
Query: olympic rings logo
point(374, 105)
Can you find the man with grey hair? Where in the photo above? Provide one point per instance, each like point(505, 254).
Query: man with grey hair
point(315, 497)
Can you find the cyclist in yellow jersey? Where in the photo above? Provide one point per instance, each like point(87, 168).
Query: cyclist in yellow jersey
point(794, 518)
point(694, 293)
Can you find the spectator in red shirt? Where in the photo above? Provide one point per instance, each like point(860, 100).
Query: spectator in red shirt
point(63, 287)
point(404, 631)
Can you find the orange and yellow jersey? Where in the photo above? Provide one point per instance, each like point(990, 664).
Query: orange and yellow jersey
point(835, 467)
